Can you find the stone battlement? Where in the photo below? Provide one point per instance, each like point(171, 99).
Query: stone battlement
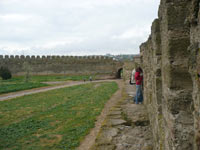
point(97, 57)
point(46, 65)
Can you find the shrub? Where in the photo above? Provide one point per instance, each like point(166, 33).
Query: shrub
point(5, 73)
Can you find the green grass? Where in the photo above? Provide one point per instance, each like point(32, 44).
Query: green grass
point(18, 84)
point(53, 120)
point(46, 78)
point(6, 88)
point(59, 78)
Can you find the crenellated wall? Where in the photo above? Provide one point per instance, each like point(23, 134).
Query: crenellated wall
point(171, 61)
point(46, 65)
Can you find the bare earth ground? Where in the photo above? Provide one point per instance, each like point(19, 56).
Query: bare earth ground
point(121, 126)
point(44, 89)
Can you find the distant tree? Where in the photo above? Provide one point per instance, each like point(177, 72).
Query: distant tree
point(5, 73)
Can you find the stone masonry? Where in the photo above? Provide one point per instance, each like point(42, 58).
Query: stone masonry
point(69, 65)
point(171, 61)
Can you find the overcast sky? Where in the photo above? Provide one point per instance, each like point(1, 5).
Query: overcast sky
point(75, 27)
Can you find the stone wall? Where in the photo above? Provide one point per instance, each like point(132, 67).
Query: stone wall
point(194, 66)
point(46, 65)
point(129, 66)
point(127, 69)
point(137, 59)
point(171, 61)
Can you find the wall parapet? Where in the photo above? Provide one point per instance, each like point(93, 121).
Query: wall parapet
point(32, 57)
point(170, 60)
point(46, 65)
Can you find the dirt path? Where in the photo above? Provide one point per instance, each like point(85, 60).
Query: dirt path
point(122, 125)
point(90, 138)
point(8, 96)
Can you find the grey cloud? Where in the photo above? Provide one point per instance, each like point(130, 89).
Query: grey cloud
point(92, 24)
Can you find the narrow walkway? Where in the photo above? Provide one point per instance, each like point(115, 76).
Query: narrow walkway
point(89, 140)
point(126, 126)
point(8, 96)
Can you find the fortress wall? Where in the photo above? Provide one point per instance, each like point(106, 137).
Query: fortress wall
point(176, 80)
point(127, 69)
point(194, 66)
point(151, 60)
point(45, 65)
point(170, 60)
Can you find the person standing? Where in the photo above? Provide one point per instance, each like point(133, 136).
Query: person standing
point(90, 78)
point(138, 80)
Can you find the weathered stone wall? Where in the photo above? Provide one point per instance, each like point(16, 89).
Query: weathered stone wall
point(171, 61)
point(46, 65)
point(194, 66)
point(151, 59)
point(127, 69)
point(129, 66)
point(137, 59)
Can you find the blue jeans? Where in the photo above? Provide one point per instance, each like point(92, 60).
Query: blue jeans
point(139, 95)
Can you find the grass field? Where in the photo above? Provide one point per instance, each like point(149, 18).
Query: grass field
point(60, 78)
point(18, 84)
point(6, 88)
point(46, 78)
point(53, 120)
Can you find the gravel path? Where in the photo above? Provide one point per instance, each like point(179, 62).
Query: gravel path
point(8, 96)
